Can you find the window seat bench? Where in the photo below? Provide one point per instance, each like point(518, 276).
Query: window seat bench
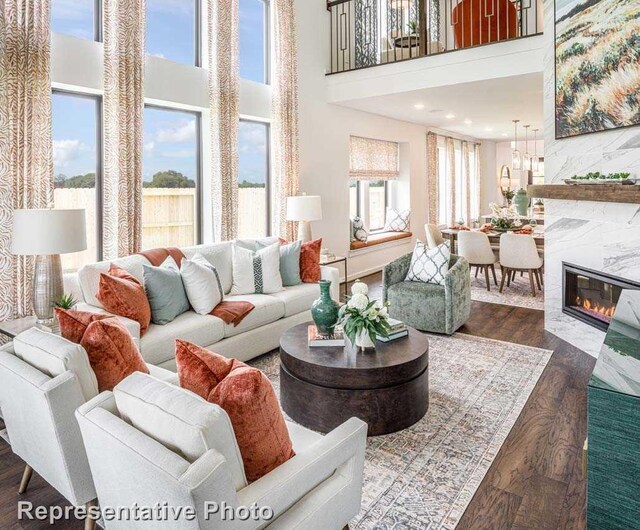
point(379, 238)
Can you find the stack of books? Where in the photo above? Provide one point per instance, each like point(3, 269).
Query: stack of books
point(398, 330)
point(317, 340)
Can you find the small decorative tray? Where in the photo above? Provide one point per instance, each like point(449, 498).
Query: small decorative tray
point(617, 182)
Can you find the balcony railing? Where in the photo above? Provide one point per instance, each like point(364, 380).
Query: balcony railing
point(367, 33)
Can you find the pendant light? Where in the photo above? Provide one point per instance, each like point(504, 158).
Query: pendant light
point(526, 163)
point(535, 161)
point(516, 156)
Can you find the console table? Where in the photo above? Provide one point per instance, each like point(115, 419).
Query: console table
point(613, 425)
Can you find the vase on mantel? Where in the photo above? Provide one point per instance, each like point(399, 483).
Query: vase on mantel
point(324, 310)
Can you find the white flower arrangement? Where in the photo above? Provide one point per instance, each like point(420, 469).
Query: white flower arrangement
point(361, 315)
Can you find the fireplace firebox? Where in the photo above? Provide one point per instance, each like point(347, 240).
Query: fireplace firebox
point(591, 296)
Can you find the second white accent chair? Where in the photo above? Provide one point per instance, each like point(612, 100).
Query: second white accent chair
point(148, 440)
point(475, 247)
point(518, 252)
point(434, 236)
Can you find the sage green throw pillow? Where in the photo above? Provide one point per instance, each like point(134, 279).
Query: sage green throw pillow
point(165, 292)
point(289, 262)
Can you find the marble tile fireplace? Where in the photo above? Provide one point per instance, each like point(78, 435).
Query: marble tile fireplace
point(592, 296)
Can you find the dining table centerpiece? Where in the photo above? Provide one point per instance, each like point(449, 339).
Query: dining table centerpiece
point(504, 219)
point(362, 319)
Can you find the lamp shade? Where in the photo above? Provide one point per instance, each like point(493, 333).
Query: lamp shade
point(46, 232)
point(304, 208)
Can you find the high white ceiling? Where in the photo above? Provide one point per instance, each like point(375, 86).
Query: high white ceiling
point(487, 106)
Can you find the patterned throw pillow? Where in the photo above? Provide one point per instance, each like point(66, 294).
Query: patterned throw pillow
point(429, 265)
point(397, 221)
point(256, 272)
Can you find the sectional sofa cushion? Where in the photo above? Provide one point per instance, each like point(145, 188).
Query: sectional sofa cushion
point(54, 355)
point(73, 324)
point(267, 309)
point(158, 345)
point(112, 352)
point(298, 298)
point(123, 294)
point(165, 291)
point(202, 284)
point(247, 396)
point(179, 420)
point(256, 272)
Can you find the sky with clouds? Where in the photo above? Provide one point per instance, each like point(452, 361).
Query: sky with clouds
point(169, 136)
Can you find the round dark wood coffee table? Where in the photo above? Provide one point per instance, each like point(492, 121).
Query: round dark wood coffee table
point(388, 387)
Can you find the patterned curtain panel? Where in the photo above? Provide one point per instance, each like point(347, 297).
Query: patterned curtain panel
point(373, 159)
point(124, 31)
point(285, 117)
point(26, 160)
point(224, 98)
point(466, 182)
point(451, 179)
point(433, 173)
point(476, 179)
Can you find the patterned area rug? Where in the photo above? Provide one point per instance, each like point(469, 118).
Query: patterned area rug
point(517, 294)
point(425, 476)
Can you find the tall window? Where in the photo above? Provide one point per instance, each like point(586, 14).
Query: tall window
point(171, 168)
point(254, 40)
point(373, 167)
point(451, 176)
point(76, 161)
point(172, 30)
point(76, 17)
point(253, 179)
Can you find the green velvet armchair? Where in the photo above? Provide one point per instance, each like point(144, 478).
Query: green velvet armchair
point(425, 306)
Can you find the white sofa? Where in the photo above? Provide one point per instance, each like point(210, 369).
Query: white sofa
point(149, 442)
point(258, 333)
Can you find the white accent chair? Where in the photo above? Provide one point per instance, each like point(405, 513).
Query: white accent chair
point(148, 441)
point(475, 247)
point(518, 252)
point(434, 235)
point(44, 378)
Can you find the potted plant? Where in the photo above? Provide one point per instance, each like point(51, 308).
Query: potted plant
point(362, 319)
point(66, 301)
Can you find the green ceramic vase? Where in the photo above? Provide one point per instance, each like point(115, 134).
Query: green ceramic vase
point(521, 200)
point(324, 310)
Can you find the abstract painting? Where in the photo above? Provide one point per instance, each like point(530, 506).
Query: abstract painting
point(597, 52)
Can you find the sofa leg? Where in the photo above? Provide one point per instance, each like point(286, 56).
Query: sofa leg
point(486, 277)
point(505, 271)
point(90, 522)
point(26, 478)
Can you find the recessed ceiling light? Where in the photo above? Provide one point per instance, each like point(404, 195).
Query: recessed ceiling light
point(419, 106)
point(468, 121)
point(450, 116)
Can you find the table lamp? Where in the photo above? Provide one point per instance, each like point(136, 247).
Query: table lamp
point(46, 234)
point(304, 209)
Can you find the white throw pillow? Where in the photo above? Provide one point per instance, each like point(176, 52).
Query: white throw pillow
point(429, 265)
point(256, 272)
point(397, 221)
point(202, 284)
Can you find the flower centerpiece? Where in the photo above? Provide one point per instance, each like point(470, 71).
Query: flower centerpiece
point(504, 219)
point(362, 319)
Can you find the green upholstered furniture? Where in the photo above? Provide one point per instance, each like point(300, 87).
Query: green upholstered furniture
point(613, 427)
point(425, 306)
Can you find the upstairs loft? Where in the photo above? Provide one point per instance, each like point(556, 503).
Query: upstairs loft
point(367, 33)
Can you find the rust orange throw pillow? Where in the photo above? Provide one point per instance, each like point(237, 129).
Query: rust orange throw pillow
point(73, 324)
point(112, 353)
point(310, 261)
point(122, 294)
point(247, 396)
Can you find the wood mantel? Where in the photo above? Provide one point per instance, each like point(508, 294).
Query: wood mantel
point(586, 192)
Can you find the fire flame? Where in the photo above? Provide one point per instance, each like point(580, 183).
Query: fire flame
point(592, 307)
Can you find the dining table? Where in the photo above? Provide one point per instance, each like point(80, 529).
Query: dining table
point(451, 234)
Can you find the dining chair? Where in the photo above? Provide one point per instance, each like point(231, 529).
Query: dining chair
point(476, 249)
point(518, 252)
point(434, 236)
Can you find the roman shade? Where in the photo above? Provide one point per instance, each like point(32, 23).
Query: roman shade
point(371, 159)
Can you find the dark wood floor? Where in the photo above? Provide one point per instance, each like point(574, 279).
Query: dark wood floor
point(534, 482)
